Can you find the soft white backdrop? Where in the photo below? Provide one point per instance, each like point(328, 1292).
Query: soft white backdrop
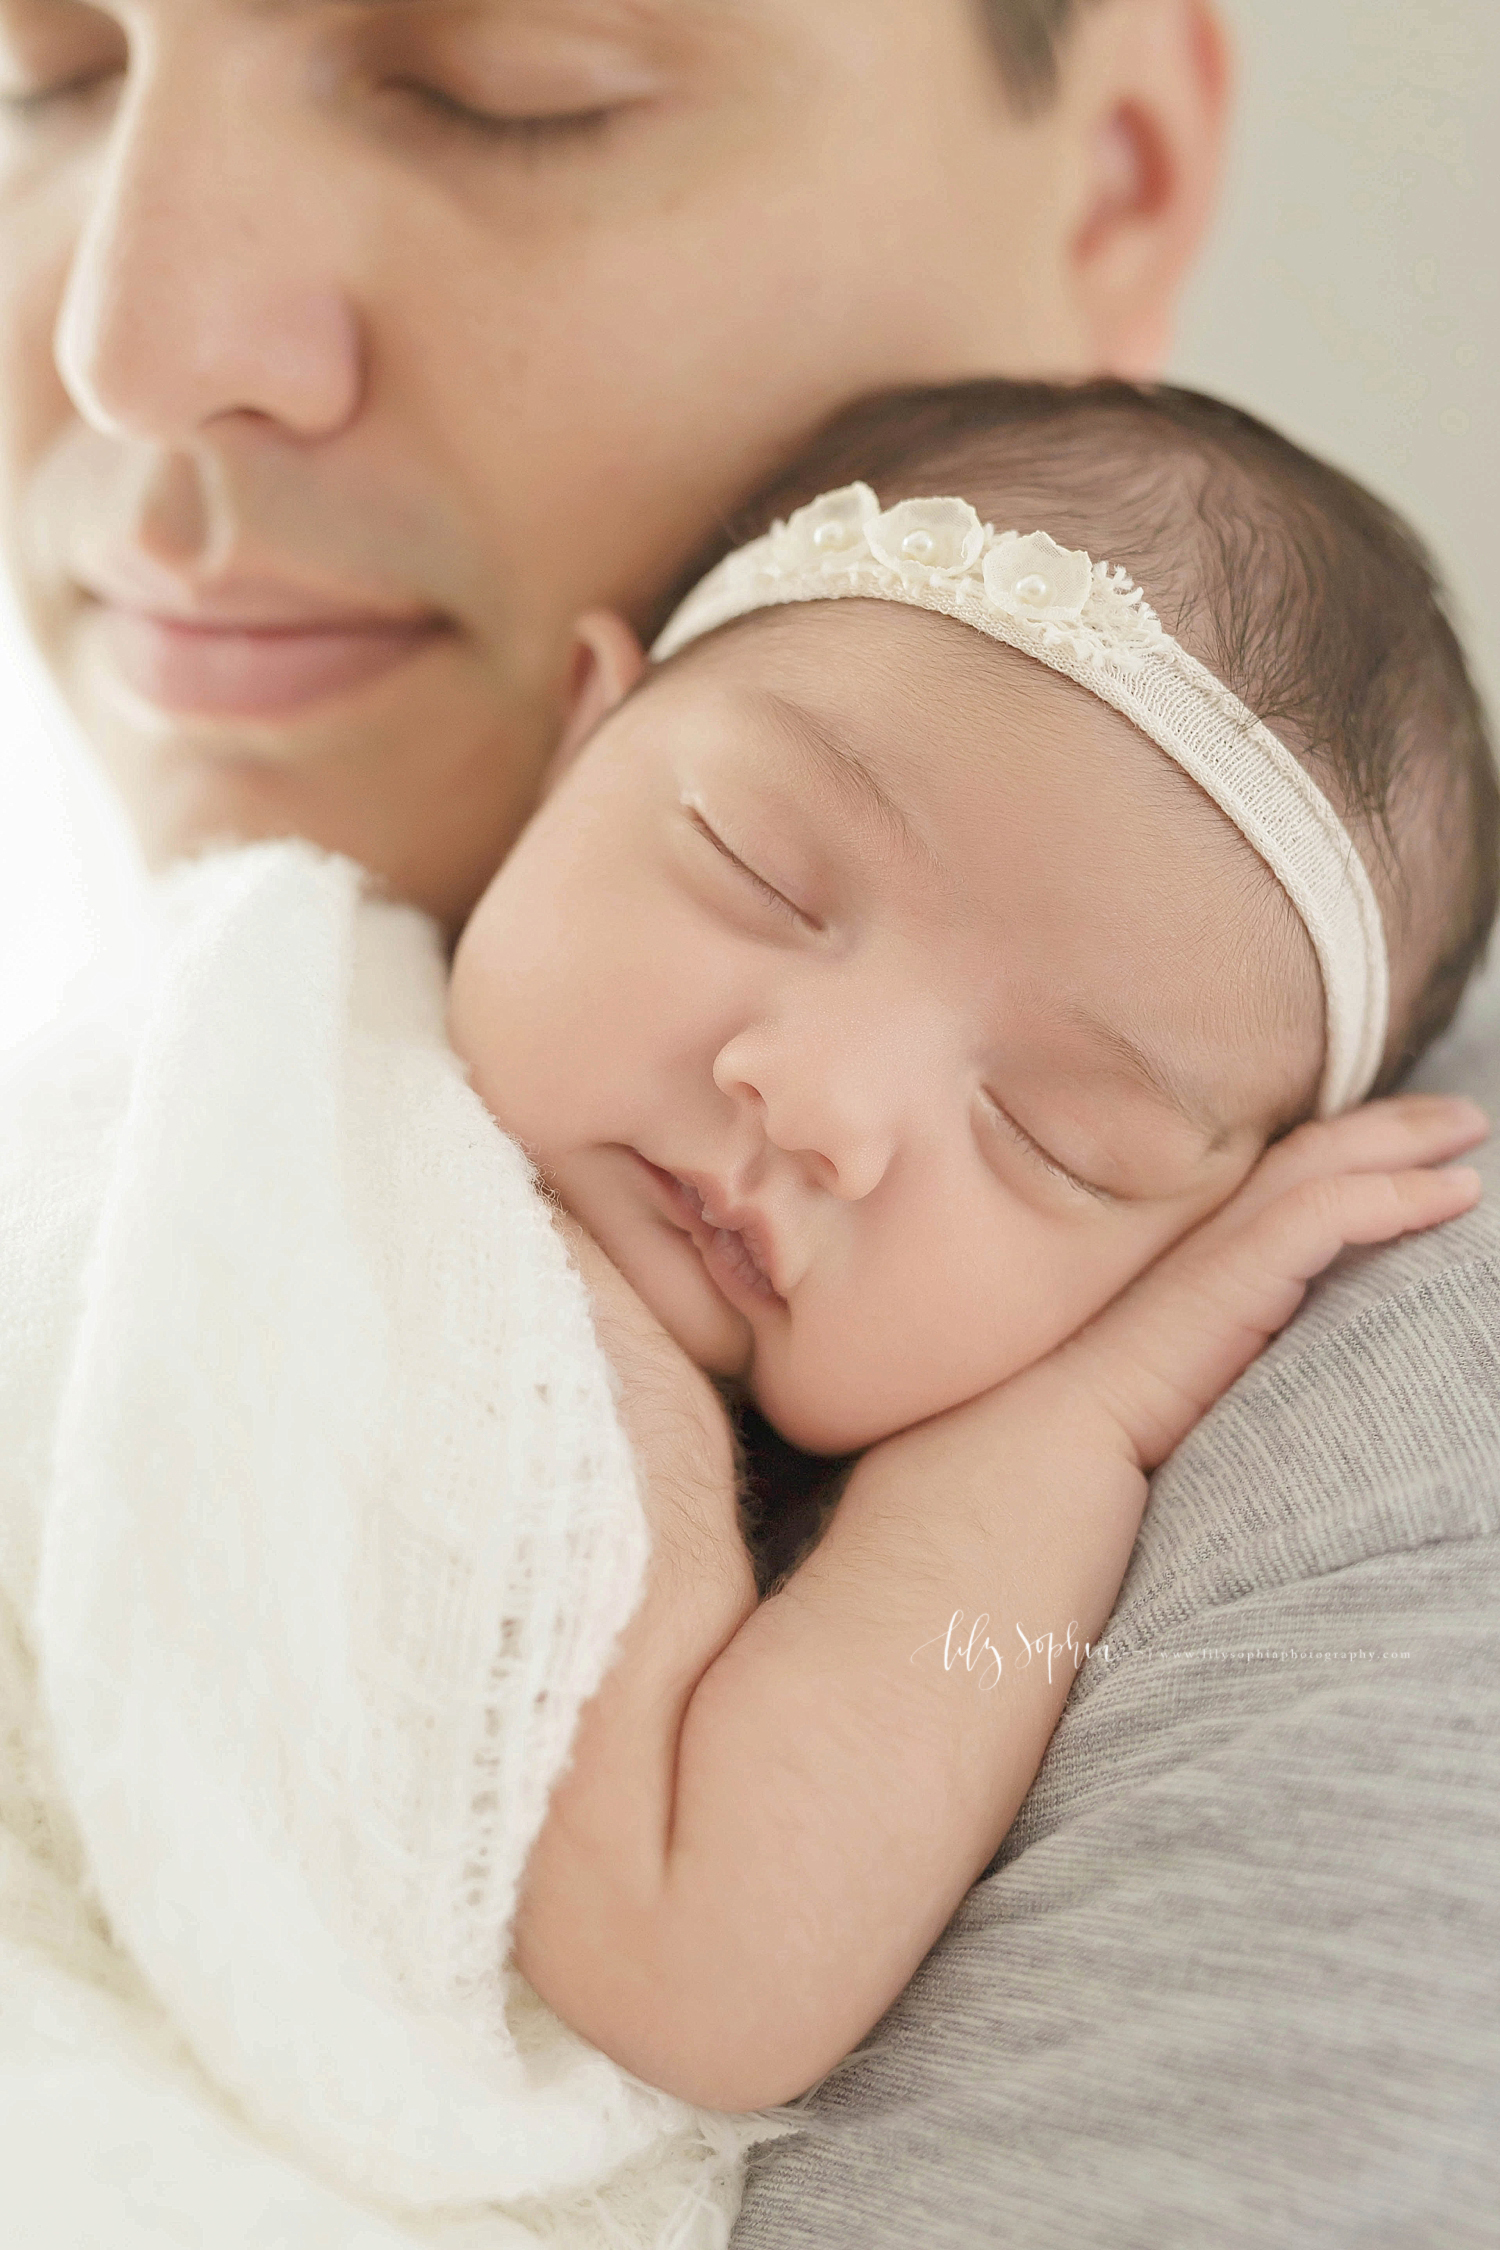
point(1352, 295)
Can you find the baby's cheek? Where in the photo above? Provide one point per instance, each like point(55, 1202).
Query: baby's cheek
point(465, 1013)
point(1128, 1248)
point(845, 1376)
point(489, 1036)
point(866, 1353)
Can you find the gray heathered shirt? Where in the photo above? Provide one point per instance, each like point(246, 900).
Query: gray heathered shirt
point(1233, 1979)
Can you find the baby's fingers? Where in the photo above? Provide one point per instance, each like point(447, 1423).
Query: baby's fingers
point(1304, 1229)
point(1385, 1136)
point(1161, 1355)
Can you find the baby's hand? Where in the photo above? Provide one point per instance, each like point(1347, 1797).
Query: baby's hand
point(1159, 1356)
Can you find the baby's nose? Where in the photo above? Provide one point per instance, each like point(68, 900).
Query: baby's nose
point(833, 1104)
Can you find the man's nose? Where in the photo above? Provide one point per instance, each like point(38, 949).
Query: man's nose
point(202, 281)
point(829, 1095)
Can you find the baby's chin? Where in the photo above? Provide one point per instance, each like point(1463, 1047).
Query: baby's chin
point(807, 1412)
point(823, 1400)
point(812, 1415)
point(667, 1275)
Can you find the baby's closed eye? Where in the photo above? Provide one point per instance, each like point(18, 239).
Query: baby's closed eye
point(774, 898)
point(999, 1118)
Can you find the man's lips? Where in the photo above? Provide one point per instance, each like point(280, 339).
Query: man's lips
point(223, 667)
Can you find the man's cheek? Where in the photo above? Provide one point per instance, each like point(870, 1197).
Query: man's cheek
point(34, 407)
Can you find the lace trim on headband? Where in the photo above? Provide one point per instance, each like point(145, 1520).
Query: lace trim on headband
point(1057, 596)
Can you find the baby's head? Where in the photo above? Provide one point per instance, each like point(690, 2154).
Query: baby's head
point(882, 998)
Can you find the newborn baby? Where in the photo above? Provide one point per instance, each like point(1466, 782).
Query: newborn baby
point(928, 939)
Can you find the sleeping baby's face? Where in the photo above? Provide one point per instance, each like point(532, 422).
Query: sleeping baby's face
point(881, 1003)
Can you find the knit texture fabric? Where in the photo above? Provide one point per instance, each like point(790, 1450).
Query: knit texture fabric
point(317, 1529)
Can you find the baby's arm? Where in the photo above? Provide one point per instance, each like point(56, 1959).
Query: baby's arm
point(773, 1812)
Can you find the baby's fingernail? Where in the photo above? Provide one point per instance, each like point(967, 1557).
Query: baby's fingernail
point(1466, 1176)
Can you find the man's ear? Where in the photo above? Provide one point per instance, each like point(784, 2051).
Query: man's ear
point(1149, 85)
point(607, 661)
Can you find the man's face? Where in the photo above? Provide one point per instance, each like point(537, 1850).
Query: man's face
point(349, 349)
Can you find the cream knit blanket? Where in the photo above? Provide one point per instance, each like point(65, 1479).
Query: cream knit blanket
point(317, 1528)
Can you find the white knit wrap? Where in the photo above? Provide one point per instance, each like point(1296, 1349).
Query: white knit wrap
point(317, 1529)
point(1090, 622)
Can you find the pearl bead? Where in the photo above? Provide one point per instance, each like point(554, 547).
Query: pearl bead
point(1032, 589)
point(918, 545)
point(829, 535)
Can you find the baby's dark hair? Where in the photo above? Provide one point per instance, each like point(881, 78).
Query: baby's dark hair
point(1306, 595)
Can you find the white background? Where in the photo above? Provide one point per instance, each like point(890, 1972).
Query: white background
point(1350, 296)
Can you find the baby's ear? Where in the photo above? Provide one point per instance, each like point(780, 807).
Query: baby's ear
point(607, 661)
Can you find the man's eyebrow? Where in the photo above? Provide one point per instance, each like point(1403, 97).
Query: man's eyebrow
point(840, 764)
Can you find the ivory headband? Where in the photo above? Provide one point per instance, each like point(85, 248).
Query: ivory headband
point(1087, 620)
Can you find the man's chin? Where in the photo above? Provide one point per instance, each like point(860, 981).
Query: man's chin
point(434, 824)
point(185, 804)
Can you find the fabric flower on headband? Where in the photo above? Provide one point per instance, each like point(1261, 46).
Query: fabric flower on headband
point(828, 534)
point(936, 552)
point(1034, 577)
point(924, 539)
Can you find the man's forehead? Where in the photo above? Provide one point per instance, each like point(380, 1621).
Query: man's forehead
point(659, 24)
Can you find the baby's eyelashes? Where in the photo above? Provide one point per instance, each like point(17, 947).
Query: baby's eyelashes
point(768, 891)
point(995, 1111)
